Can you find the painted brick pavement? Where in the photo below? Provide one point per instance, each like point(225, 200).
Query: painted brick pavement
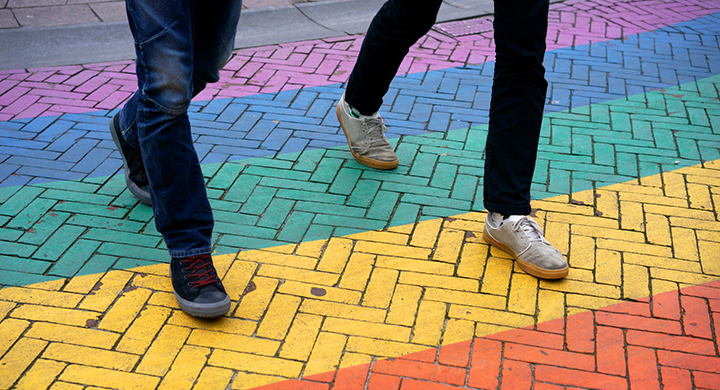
point(53, 227)
point(348, 278)
point(422, 306)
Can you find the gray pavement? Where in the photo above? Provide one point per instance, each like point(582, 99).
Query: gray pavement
point(42, 33)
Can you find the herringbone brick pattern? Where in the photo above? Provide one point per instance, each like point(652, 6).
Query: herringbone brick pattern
point(640, 308)
point(63, 229)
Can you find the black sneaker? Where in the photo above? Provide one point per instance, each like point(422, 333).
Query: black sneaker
point(135, 177)
point(198, 290)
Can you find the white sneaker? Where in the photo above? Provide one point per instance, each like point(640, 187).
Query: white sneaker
point(521, 236)
point(366, 138)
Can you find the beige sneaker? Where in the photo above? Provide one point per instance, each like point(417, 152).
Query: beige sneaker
point(520, 236)
point(366, 138)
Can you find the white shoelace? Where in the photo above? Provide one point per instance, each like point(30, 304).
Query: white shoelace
point(529, 226)
point(371, 125)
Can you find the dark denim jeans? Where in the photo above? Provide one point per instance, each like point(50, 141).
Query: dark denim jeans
point(518, 91)
point(180, 46)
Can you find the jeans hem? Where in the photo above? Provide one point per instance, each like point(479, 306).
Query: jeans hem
point(190, 253)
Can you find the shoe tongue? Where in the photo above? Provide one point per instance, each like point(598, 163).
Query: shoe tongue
point(528, 225)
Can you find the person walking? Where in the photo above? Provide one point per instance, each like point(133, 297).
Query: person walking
point(180, 46)
point(516, 110)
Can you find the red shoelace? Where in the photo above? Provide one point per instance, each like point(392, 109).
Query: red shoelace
point(200, 267)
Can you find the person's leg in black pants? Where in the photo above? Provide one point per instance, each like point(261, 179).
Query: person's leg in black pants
point(516, 106)
point(516, 111)
point(396, 27)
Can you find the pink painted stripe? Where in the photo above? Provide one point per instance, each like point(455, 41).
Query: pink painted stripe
point(275, 68)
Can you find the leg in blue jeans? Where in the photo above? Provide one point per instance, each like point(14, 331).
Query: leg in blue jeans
point(180, 46)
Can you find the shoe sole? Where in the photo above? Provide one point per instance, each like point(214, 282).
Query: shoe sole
point(214, 310)
point(143, 196)
point(527, 267)
point(364, 160)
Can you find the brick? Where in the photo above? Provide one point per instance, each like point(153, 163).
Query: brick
point(336, 254)
point(325, 356)
point(324, 293)
point(401, 264)
point(279, 316)
point(516, 375)
point(90, 356)
point(673, 378)
point(580, 335)
point(332, 309)
point(465, 298)
point(666, 304)
point(392, 250)
point(186, 368)
point(225, 324)
point(688, 361)
point(552, 357)
point(610, 351)
point(301, 337)
point(41, 375)
point(102, 377)
point(458, 353)
point(670, 342)
point(213, 378)
point(233, 342)
point(706, 380)
point(696, 318)
point(429, 323)
point(56, 315)
point(357, 271)
point(367, 329)
point(19, 358)
point(551, 307)
point(256, 300)
point(500, 282)
point(279, 272)
point(420, 370)
point(40, 297)
point(255, 364)
point(439, 281)
point(403, 308)
point(472, 261)
point(158, 358)
point(382, 348)
point(523, 294)
point(568, 377)
point(384, 382)
point(642, 368)
point(491, 316)
point(72, 335)
point(485, 364)
point(124, 311)
point(238, 277)
point(448, 246)
point(139, 336)
point(11, 329)
point(105, 291)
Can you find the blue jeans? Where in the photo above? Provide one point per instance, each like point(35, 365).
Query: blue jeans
point(180, 47)
point(518, 91)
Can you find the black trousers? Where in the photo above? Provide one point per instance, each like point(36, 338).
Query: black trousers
point(518, 92)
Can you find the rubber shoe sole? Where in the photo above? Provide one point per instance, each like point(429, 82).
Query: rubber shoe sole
point(527, 267)
point(142, 195)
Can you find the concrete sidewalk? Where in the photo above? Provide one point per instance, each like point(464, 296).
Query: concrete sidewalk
point(98, 31)
point(345, 277)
